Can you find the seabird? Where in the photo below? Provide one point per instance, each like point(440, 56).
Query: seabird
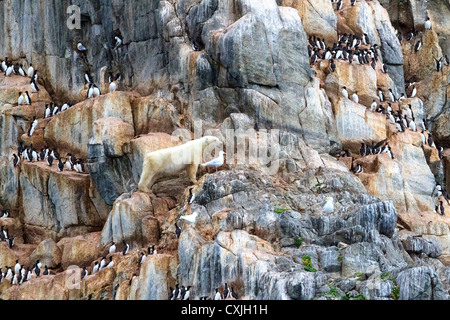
point(113, 86)
point(9, 71)
point(17, 267)
point(191, 197)
point(27, 98)
point(373, 106)
point(345, 92)
point(217, 295)
point(384, 69)
point(329, 206)
point(49, 160)
point(191, 218)
point(441, 208)
point(102, 263)
point(216, 163)
point(118, 42)
point(21, 99)
point(35, 76)
point(187, 293)
point(84, 273)
point(48, 111)
point(81, 48)
point(332, 66)
point(16, 160)
point(61, 165)
point(391, 95)
point(126, 248)
point(33, 127)
point(112, 248)
point(380, 95)
point(134, 276)
point(412, 125)
point(177, 231)
point(46, 272)
point(111, 263)
point(96, 267)
point(428, 24)
point(418, 45)
point(21, 71)
point(414, 92)
point(30, 72)
point(142, 258)
point(355, 97)
point(34, 87)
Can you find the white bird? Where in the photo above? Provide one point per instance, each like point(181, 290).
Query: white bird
point(30, 72)
point(424, 140)
point(6, 214)
point(345, 92)
point(142, 259)
point(329, 206)
point(111, 263)
point(216, 163)
point(118, 42)
point(380, 95)
point(191, 218)
point(428, 24)
point(112, 248)
point(355, 97)
point(27, 98)
point(48, 112)
point(412, 125)
point(81, 48)
point(217, 296)
point(113, 86)
point(64, 107)
point(4, 65)
point(17, 267)
point(9, 71)
point(34, 87)
point(21, 99)
point(414, 92)
point(102, 263)
point(96, 268)
point(391, 95)
point(373, 106)
point(21, 71)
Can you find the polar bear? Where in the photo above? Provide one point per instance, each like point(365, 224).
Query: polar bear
point(169, 161)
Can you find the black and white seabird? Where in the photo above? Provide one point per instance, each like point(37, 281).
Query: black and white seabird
point(21, 99)
point(49, 160)
point(32, 127)
point(112, 248)
point(344, 92)
point(84, 273)
point(46, 271)
point(142, 258)
point(177, 230)
point(34, 86)
point(48, 111)
point(16, 160)
point(355, 97)
point(61, 165)
point(217, 296)
point(27, 98)
point(418, 45)
point(111, 263)
point(428, 24)
point(126, 248)
point(30, 72)
point(96, 267)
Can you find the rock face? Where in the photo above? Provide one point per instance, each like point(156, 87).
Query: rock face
point(240, 71)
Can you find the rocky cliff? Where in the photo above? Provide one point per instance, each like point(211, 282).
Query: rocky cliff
point(210, 67)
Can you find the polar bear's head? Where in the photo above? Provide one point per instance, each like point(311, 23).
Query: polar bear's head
point(206, 141)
